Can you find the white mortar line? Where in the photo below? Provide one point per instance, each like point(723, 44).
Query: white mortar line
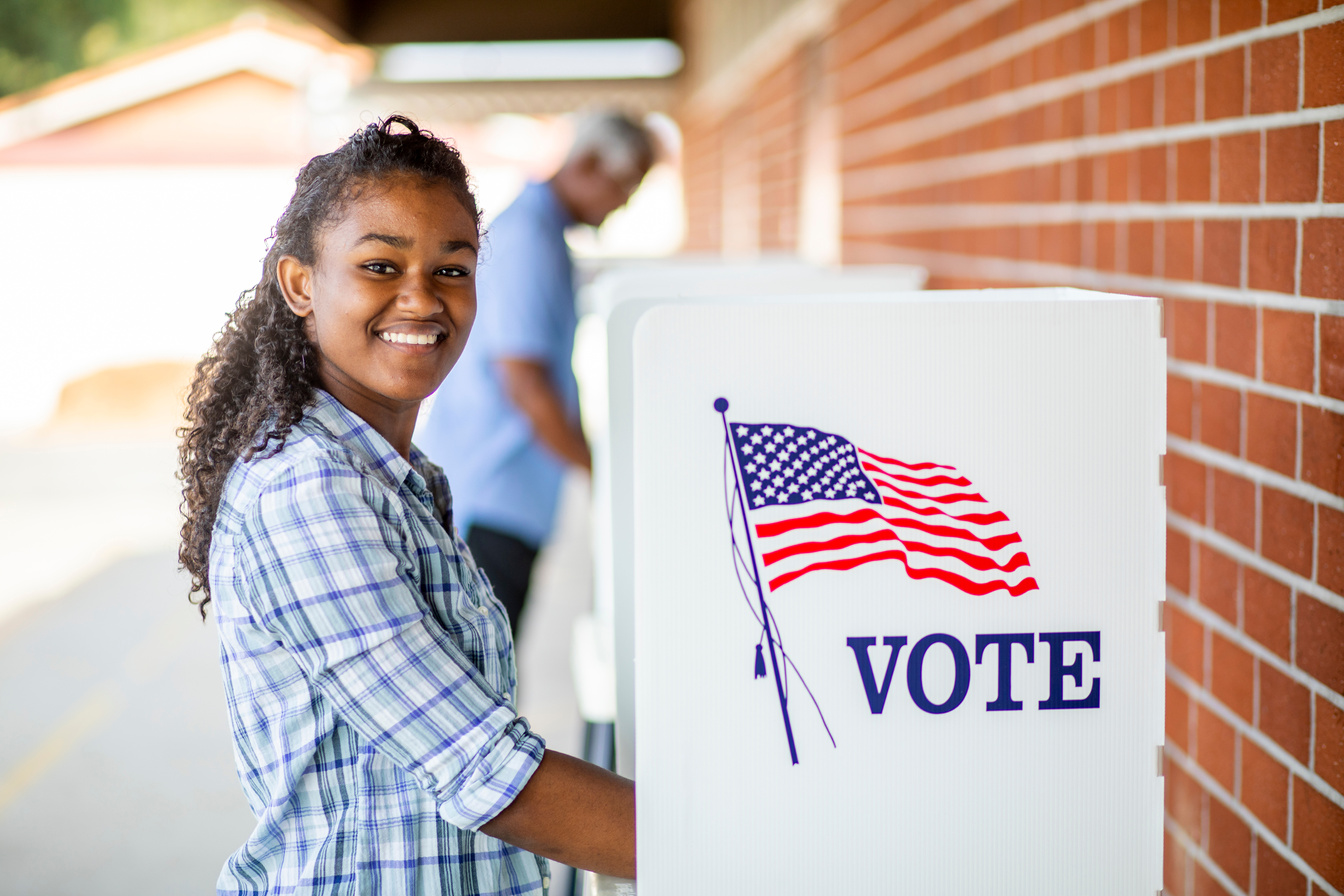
point(1199, 855)
point(878, 61)
point(1214, 622)
point(877, 220)
point(1213, 787)
point(1259, 475)
point(878, 101)
point(1037, 272)
point(1202, 373)
point(1239, 552)
point(1294, 766)
point(879, 180)
point(788, 31)
point(883, 139)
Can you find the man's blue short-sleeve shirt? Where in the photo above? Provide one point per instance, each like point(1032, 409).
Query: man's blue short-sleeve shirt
point(502, 476)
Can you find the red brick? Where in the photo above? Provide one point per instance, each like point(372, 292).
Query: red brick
point(1285, 531)
point(1285, 711)
point(1333, 186)
point(1173, 865)
point(1318, 832)
point(1117, 177)
point(1192, 170)
point(1178, 93)
point(1233, 676)
point(1289, 9)
point(1292, 156)
point(1193, 21)
point(1320, 634)
point(1332, 356)
point(1152, 26)
point(1323, 65)
point(1178, 561)
point(1271, 255)
point(1234, 507)
point(1185, 799)
point(1061, 244)
point(1141, 246)
point(1323, 449)
point(1185, 640)
point(1222, 252)
point(1152, 162)
point(1289, 345)
point(1104, 242)
point(1274, 875)
point(1264, 787)
point(1330, 548)
point(1239, 168)
point(1271, 433)
point(1224, 84)
point(1274, 75)
point(1238, 16)
point(1141, 90)
point(1220, 418)
point(1323, 258)
point(1186, 487)
point(1178, 717)
point(1180, 406)
point(1268, 611)
point(1218, 583)
point(1179, 250)
point(1108, 109)
point(1234, 338)
point(1230, 843)
point(1329, 760)
point(1206, 884)
point(1189, 333)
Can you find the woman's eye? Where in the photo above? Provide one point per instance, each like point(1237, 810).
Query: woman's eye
point(453, 272)
point(378, 267)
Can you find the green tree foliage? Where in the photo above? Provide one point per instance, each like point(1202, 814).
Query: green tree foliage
point(44, 39)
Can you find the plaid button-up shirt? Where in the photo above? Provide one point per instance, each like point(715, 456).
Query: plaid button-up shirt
point(369, 673)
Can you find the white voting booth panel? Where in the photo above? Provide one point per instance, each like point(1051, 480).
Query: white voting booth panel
point(898, 571)
point(621, 297)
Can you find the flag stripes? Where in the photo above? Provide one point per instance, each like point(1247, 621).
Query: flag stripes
point(927, 516)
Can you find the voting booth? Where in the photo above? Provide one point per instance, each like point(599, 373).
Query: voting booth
point(616, 300)
point(896, 579)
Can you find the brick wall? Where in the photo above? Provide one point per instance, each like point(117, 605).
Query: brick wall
point(1188, 149)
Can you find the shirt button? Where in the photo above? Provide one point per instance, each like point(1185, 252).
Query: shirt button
point(506, 696)
point(546, 882)
point(483, 610)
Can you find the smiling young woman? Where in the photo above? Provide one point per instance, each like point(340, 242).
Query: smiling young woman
point(368, 668)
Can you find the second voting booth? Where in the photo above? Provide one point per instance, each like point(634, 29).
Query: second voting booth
point(896, 564)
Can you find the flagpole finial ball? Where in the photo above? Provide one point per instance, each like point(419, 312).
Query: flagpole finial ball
point(720, 404)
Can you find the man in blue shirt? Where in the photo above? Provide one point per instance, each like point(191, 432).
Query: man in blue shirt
point(505, 424)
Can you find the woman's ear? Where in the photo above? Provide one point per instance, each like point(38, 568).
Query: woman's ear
point(296, 284)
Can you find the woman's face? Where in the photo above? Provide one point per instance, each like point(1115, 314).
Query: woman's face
point(392, 296)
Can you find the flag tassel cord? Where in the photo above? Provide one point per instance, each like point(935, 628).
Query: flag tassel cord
point(721, 405)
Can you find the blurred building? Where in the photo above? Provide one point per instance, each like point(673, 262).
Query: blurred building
point(139, 194)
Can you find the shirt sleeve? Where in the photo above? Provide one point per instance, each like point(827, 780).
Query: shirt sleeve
point(516, 291)
point(333, 579)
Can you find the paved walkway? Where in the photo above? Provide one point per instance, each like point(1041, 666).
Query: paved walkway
point(116, 769)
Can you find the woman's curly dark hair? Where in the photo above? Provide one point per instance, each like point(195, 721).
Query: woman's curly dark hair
point(257, 379)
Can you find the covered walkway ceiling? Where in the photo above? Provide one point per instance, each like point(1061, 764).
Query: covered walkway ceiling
point(407, 21)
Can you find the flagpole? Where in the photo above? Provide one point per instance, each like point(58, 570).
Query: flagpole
point(721, 405)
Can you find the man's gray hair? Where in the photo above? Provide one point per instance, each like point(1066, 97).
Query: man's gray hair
point(620, 143)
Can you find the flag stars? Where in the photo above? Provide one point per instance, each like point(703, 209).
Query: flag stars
point(742, 430)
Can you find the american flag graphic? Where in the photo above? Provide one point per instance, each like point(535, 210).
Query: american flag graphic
point(817, 501)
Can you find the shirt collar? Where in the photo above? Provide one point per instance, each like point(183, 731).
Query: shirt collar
point(364, 441)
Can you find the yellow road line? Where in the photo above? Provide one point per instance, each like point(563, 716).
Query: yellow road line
point(101, 703)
